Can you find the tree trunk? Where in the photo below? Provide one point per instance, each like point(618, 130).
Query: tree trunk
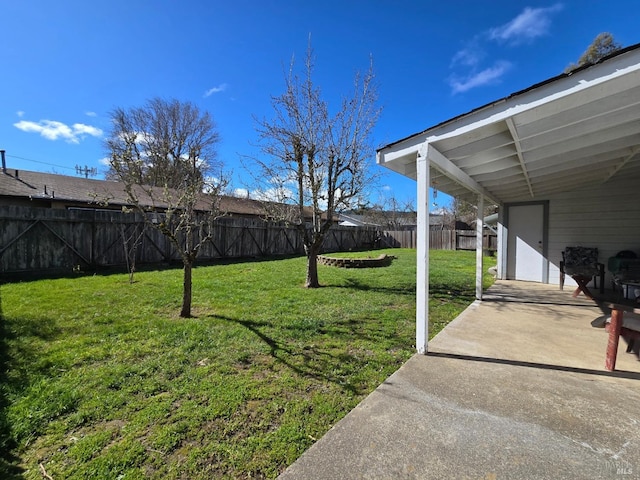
point(186, 290)
point(312, 268)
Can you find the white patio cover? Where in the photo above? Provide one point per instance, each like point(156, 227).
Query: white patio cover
point(569, 132)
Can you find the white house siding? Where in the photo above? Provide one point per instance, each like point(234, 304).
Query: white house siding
point(605, 216)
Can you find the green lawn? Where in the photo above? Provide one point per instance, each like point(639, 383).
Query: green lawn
point(101, 378)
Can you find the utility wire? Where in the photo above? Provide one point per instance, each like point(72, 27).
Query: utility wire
point(43, 163)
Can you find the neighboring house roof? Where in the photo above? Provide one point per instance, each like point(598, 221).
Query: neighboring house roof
point(48, 189)
point(377, 219)
point(571, 131)
point(349, 219)
point(66, 191)
point(37, 185)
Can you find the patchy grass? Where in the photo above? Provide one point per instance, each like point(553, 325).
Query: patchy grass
point(100, 378)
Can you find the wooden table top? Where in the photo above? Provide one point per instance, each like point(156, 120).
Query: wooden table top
point(623, 306)
point(615, 301)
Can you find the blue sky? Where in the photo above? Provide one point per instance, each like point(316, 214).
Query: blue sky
point(67, 64)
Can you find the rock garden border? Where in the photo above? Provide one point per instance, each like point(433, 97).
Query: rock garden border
point(381, 261)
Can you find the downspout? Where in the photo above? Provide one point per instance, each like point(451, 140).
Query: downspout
point(491, 220)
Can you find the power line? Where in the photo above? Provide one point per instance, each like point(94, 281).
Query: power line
point(43, 163)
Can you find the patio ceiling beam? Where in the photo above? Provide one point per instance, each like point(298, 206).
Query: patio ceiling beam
point(605, 141)
point(447, 168)
point(570, 110)
point(581, 157)
point(486, 156)
point(512, 173)
point(580, 123)
point(471, 145)
point(627, 159)
point(516, 142)
point(492, 166)
point(550, 167)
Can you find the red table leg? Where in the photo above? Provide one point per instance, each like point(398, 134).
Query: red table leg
point(614, 337)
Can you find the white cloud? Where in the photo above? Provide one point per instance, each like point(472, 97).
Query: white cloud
point(470, 56)
point(220, 88)
point(477, 79)
point(80, 128)
point(20, 113)
point(530, 24)
point(241, 192)
point(276, 194)
point(268, 195)
point(106, 161)
point(53, 130)
point(91, 114)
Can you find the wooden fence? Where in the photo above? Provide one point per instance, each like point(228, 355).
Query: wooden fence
point(42, 240)
point(439, 239)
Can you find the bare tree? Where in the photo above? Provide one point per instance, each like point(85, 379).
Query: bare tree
point(316, 162)
point(131, 240)
point(603, 45)
point(390, 213)
point(164, 153)
point(463, 211)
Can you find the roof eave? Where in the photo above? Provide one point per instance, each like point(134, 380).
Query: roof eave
point(425, 133)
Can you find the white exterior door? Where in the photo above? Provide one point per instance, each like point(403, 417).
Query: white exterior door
point(525, 243)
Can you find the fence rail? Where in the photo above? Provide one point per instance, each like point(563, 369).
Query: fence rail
point(42, 240)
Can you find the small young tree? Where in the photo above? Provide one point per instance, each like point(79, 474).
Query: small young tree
point(164, 154)
point(317, 162)
point(131, 240)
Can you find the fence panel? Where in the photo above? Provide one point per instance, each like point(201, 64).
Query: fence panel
point(438, 239)
point(38, 239)
point(398, 239)
point(465, 240)
point(30, 240)
point(442, 239)
point(41, 240)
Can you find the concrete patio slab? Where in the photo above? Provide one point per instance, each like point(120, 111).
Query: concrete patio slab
point(514, 388)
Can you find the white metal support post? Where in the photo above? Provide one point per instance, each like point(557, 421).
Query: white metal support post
point(479, 249)
point(502, 246)
point(422, 254)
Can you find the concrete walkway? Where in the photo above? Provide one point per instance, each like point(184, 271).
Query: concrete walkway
point(514, 388)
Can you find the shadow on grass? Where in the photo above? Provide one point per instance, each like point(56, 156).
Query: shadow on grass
point(8, 462)
point(309, 361)
point(173, 264)
point(438, 290)
point(435, 289)
point(356, 284)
